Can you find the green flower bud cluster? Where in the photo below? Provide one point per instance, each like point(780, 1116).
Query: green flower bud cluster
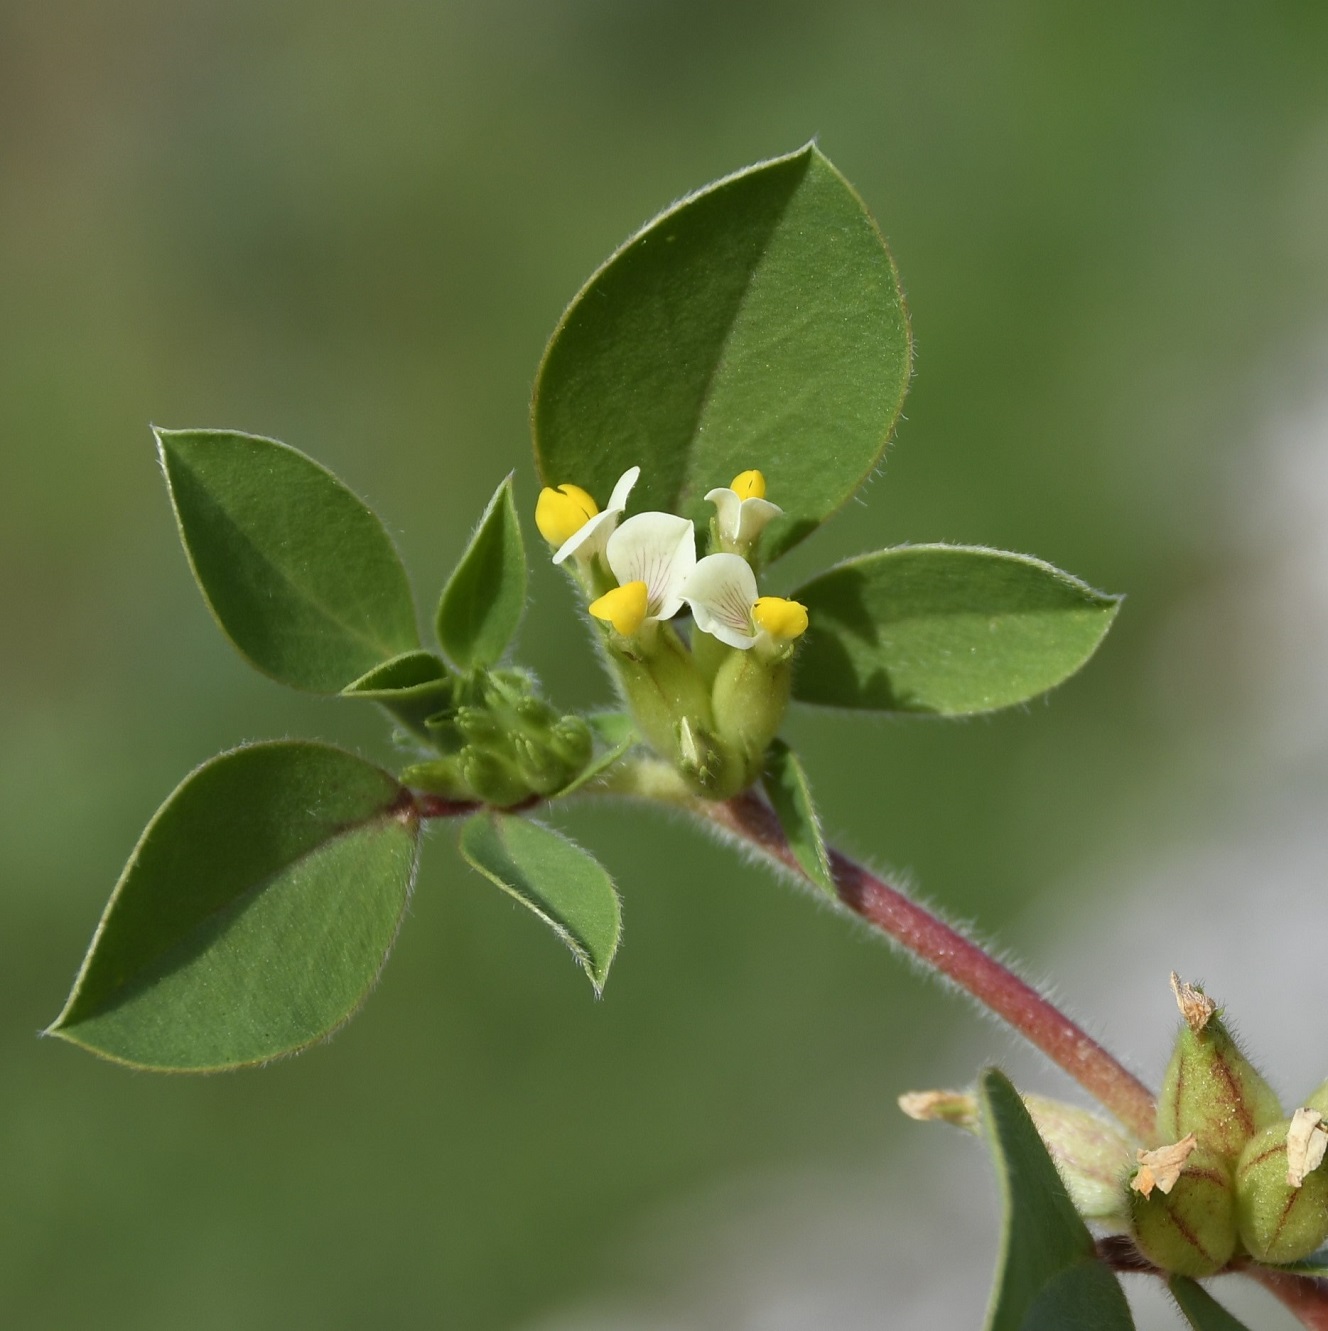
point(1231, 1176)
point(501, 743)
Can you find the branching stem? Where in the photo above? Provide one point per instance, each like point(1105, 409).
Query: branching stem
point(960, 960)
point(990, 983)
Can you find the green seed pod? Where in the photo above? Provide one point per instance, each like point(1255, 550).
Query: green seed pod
point(493, 779)
point(1211, 1089)
point(1190, 1228)
point(1279, 1221)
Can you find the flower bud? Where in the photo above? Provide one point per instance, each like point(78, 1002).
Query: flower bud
point(478, 725)
point(440, 776)
point(535, 717)
point(1183, 1209)
point(541, 769)
point(1282, 1220)
point(1211, 1089)
point(494, 779)
point(573, 743)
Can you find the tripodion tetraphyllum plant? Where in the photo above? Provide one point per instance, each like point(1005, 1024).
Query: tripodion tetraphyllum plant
point(724, 383)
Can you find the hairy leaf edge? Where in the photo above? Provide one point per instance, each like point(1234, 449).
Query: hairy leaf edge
point(560, 931)
point(160, 433)
point(54, 1030)
point(811, 150)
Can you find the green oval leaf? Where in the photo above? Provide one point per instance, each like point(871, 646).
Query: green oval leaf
point(564, 885)
point(758, 323)
point(1202, 1311)
point(254, 915)
point(790, 795)
point(1048, 1275)
point(945, 629)
point(482, 603)
point(299, 573)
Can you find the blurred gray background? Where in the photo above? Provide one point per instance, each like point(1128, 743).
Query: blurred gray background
point(352, 227)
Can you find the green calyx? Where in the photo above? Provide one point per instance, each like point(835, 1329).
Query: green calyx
point(1282, 1190)
point(1211, 1089)
point(711, 711)
point(1183, 1209)
point(751, 695)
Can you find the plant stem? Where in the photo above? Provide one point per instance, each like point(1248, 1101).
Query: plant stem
point(991, 984)
point(947, 951)
point(1306, 1298)
point(937, 944)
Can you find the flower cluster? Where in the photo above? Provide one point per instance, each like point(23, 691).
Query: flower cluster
point(712, 703)
point(653, 563)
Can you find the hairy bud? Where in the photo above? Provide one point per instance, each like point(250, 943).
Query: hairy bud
point(1211, 1089)
point(1183, 1212)
point(1281, 1190)
point(494, 779)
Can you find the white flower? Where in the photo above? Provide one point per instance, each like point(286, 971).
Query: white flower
point(569, 518)
point(726, 603)
point(742, 510)
point(651, 555)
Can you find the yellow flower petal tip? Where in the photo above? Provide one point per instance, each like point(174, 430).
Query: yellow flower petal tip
point(624, 607)
point(749, 485)
point(561, 513)
point(781, 619)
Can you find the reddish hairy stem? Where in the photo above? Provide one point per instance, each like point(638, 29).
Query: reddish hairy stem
point(1305, 1297)
point(947, 951)
point(435, 806)
point(989, 983)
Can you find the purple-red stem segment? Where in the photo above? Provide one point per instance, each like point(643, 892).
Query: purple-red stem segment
point(961, 961)
point(937, 944)
point(982, 977)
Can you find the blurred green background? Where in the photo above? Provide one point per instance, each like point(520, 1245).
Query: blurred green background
point(352, 227)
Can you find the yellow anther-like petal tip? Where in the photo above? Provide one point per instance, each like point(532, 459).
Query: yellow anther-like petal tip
point(561, 513)
point(624, 607)
point(749, 485)
point(781, 619)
